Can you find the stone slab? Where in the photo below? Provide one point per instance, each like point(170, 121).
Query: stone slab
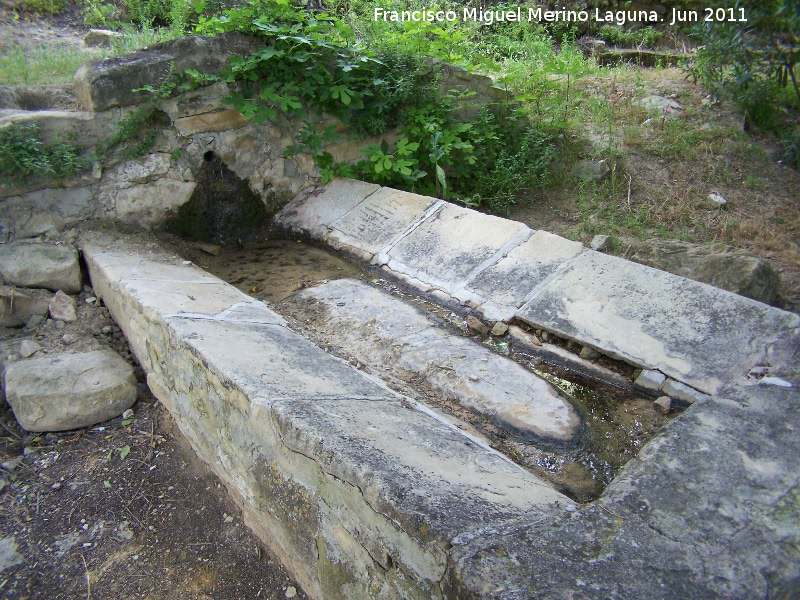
point(69, 391)
point(505, 286)
point(692, 332)
point(271, 362)
point(378, 221)
point(707, 510)
point(392, 335)
point(33, 265)
point(314, 215)
point(453, 244)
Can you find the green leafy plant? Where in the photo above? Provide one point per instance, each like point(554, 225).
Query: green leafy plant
point(23, 154)
point(644, 37)
point(753, 63)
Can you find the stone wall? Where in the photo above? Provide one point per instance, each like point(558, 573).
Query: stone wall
point(145, 191)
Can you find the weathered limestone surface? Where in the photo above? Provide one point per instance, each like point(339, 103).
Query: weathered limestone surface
point(698, 335)
point(360, 491)
point(70, 390)
point(50, 266)
point(314, 215)
point(707, 510)
point(502, 288)
point(692, 332)
point(377, 222)
point(389, 334)
point(454, 244)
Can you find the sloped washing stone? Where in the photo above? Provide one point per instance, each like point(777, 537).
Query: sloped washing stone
point(502, 288)
point(70, 390)
point(40, 265)
point(378, 221)
point(692, 332)
point(360, 491)
point(387, 333)
point(453, 244)
point(314, 215)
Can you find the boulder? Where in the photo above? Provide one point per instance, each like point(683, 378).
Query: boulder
point(17, 307)
point(106, 83)
point(35, 265)
point(69, 391)
point(715, 264)
point(100, 37)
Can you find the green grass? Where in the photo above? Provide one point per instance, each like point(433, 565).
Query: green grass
point(48, 63)
point(57, 63)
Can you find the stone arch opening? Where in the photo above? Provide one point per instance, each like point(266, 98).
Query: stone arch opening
point(222, 209)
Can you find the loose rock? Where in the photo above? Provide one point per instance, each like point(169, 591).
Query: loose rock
point(663, 404)
point(589, 353)
point(499, 329)
point(652, 381)
point(18, 308)
point(28, 348)
point(70, 390)
point(680, 391)
point(716, 200)
point(600, 243)
point(100, 37)
point(476, 325)
point(591, 170)
point(36, 265)
point(62, 308)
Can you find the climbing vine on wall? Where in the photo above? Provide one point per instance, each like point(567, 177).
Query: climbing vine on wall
point(311, 67)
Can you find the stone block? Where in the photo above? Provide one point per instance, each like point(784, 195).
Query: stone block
point(652, 381)
point(213, 121)
point(106, 83)
point(149, 204)
point(41, 265)
point(315, 214)
point(17, 307)
point(680, 391)
point(691, 332)
point(69, 391)
point(508, 283)
point(453, 244)
point(62, 308)
point(377, 221)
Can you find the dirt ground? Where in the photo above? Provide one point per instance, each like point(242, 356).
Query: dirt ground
point(123, 509)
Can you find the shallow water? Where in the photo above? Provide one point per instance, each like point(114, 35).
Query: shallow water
point(619, 423)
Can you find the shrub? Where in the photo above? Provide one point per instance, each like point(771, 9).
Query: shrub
point(23, 154)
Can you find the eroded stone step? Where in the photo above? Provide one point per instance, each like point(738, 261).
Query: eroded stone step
point(698, 335)
point(360, 490)
point(394, 336)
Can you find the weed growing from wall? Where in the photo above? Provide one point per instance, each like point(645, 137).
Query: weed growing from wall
point(23, 154)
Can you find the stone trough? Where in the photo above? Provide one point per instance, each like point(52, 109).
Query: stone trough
point(365, 493)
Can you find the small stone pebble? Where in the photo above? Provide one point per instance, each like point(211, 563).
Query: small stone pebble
point(28, 348)
point(589, 353)
point(128, 414)
point(663, 404)
point(28, 450)
point(476, 325)
point(90, 300)
point(107, 329)
point(56, 486)
point(68, 339)
point(291, 592)
point(499, 329)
